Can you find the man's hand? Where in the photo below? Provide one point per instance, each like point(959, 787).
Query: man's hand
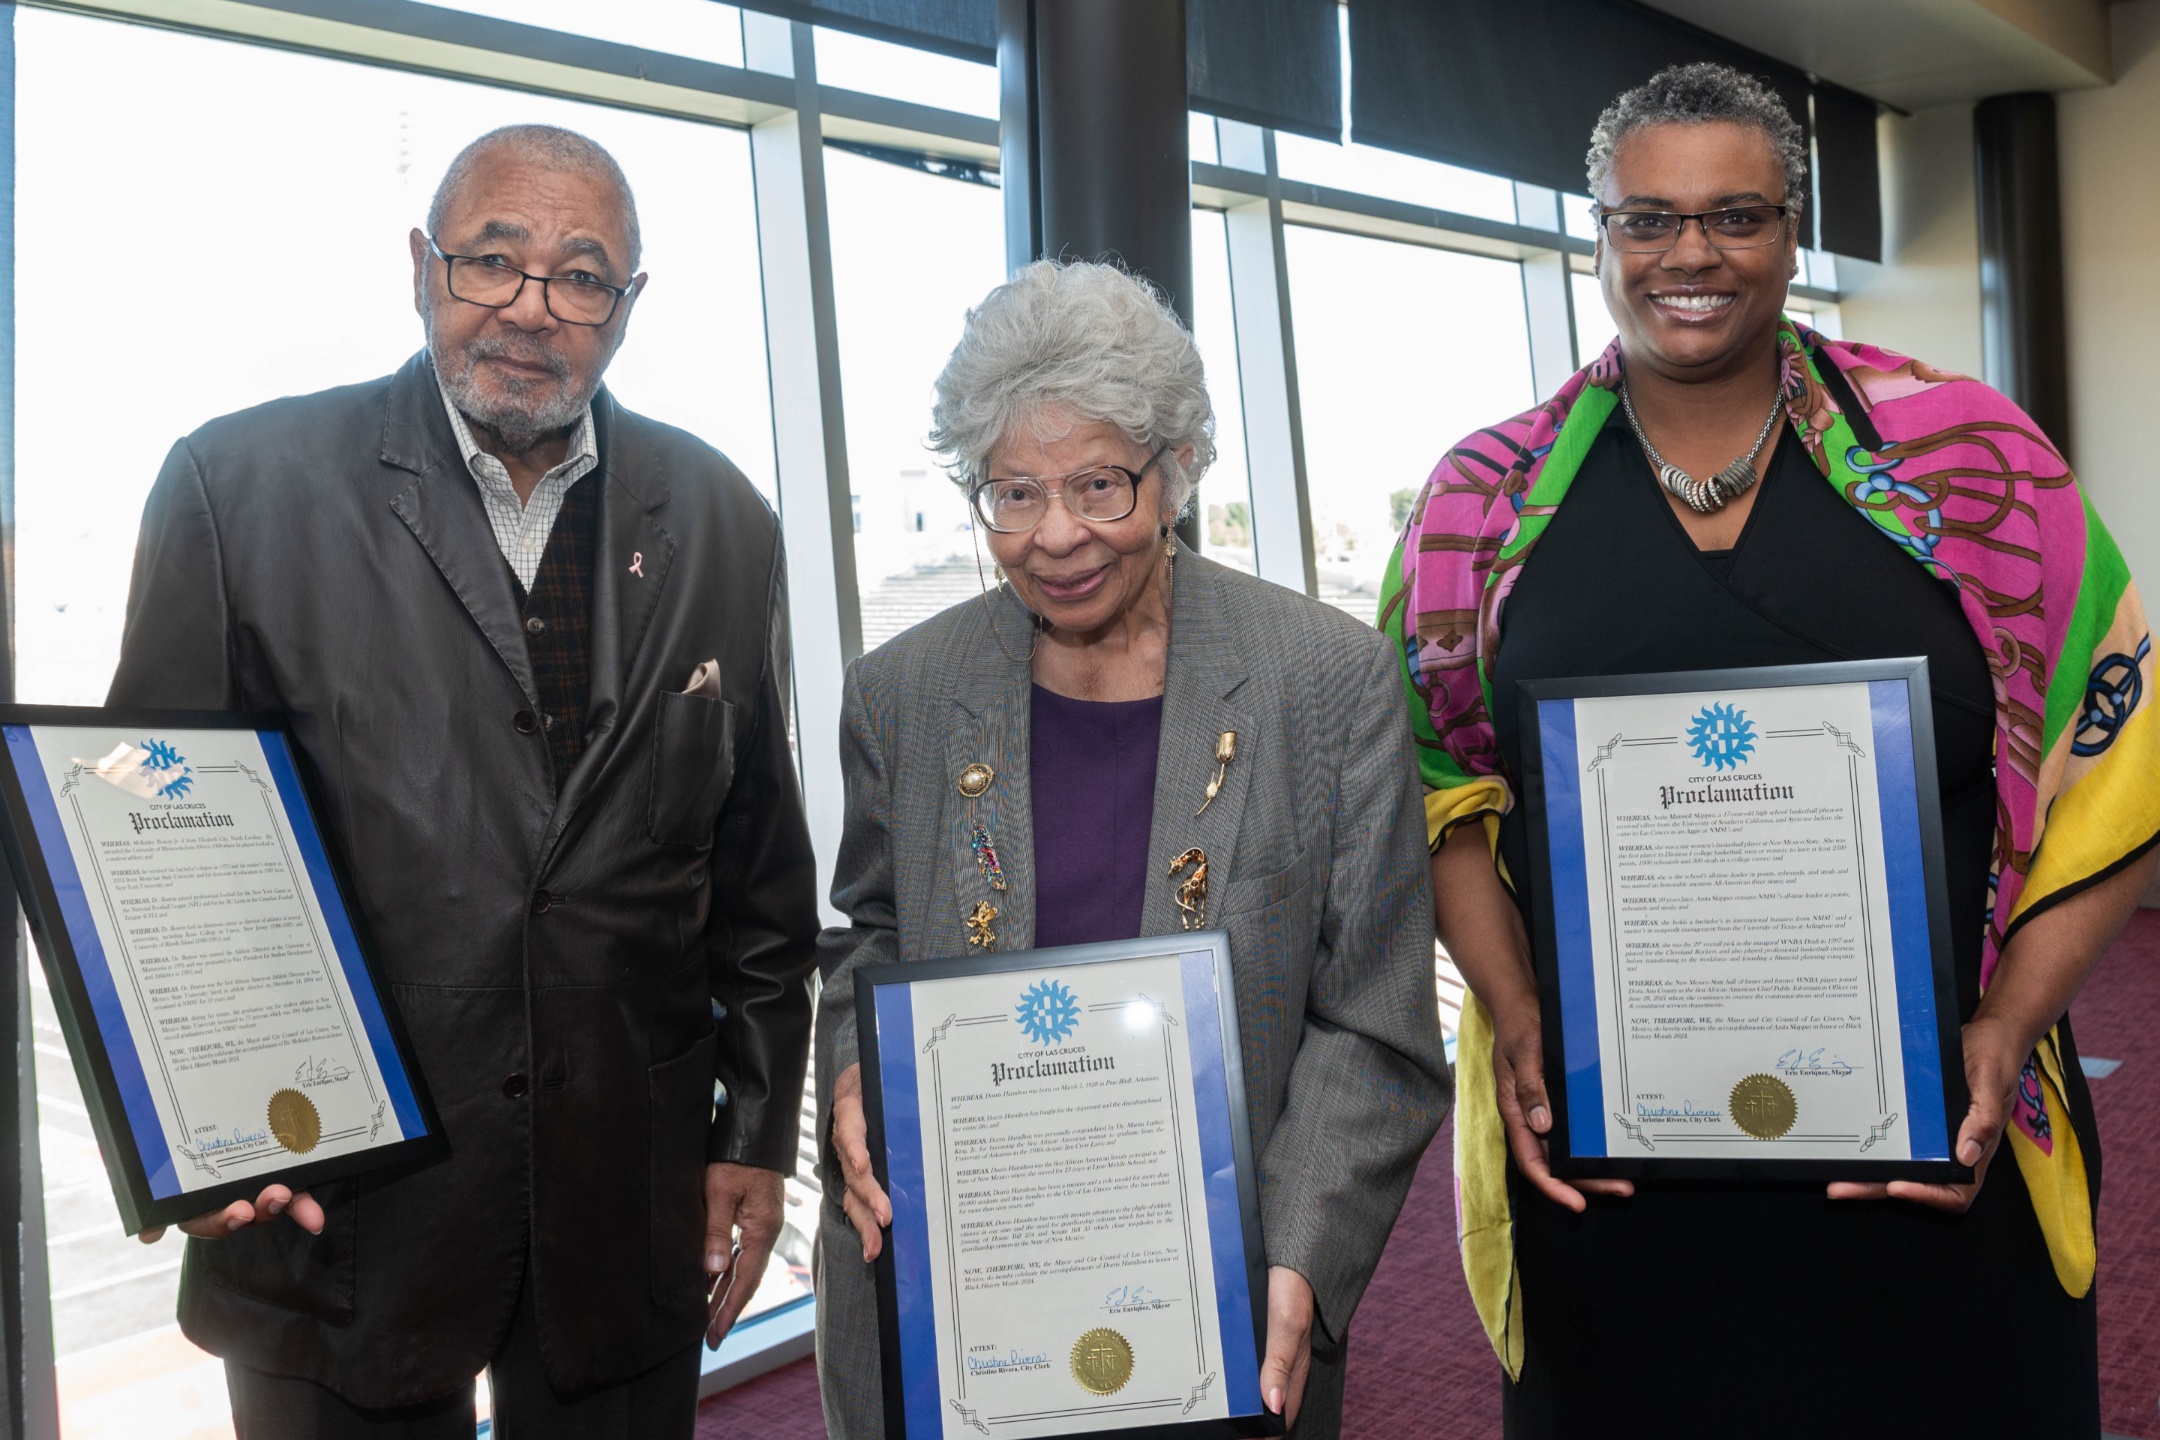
point(1994, 1058)
point(743, 1208)
point(274, 1201)
point(867, 1208)
point(1289, 1342)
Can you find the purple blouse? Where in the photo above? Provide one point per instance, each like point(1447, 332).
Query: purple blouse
point(1094, 796)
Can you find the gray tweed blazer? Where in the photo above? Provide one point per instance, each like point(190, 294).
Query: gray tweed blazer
point(1316, 848)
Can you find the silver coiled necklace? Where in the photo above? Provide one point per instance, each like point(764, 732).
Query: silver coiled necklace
point(1721, 489)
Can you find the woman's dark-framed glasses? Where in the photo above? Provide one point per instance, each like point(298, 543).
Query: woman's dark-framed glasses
point(572, 299)
point(1737, 227)
point(1016, 504)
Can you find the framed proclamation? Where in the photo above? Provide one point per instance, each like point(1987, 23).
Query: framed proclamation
point(225, 1020)
point(1075, 1247)
point(1739, 924)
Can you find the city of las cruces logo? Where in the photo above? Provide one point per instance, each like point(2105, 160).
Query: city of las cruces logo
point(1049, 1014)
point(167, 770)
point(1722, 736)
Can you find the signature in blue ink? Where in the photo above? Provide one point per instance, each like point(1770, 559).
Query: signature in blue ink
point(1685, 1110)
point(1010, 1360)
point(239, 1139)
point(1133, 1297)
point(1811, 1062)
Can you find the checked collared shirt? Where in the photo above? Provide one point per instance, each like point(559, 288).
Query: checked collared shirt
point(549, 544)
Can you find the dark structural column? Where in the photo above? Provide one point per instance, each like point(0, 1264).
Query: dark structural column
point(2021, 257)
point(1094, 135)
point(1094, 151)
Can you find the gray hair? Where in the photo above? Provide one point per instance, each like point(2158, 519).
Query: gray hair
point(1698, 94)
point(1090, 342)
point(554, 147)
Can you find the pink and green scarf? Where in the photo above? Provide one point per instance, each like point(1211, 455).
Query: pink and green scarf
point(1964, 483)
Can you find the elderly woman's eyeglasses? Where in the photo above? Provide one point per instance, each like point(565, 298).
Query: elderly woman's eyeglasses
point(1739, 227)
point(572, 299)
point(1103, 493)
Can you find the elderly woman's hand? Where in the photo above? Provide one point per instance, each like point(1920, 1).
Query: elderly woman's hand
point(867, 1208)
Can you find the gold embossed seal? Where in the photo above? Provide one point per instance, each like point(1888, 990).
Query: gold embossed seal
point(1763, 1105)
point(294, 1121)
point(1102, 1361)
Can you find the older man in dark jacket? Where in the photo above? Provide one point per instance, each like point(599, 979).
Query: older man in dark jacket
point(534, 650)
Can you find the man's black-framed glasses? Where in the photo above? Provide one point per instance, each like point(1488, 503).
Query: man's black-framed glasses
point(572, 299)
point(1735, 227)
point(1016, 504)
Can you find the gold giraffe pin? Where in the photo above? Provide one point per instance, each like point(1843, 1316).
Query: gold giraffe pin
point(1191, 893)
point(1225, 752)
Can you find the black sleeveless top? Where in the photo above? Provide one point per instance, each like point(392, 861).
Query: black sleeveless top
point(1878, 1312)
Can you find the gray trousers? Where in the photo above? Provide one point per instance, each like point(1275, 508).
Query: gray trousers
point(660, 1404)
point(850, 1373)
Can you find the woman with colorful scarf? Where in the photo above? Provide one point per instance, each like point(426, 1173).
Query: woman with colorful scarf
point(1887, 509)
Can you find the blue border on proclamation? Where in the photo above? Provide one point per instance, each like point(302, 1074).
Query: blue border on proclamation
point(1226, 1222)
point(1571, 927)
point(1890, 708)
point(90, 959)
point(277, 754)
point(911, 1227)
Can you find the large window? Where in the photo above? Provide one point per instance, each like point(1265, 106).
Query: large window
point(1223, 504)
point(911, 252)
point(1402, 351)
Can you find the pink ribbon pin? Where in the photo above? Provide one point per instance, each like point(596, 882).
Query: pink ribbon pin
point(637, 563)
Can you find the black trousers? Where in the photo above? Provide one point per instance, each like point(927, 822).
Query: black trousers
point(660, 1404)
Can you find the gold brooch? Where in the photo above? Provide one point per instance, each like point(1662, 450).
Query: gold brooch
point(975, 780)
point(978, 926)
point(1225, 752)
point(1191, 894)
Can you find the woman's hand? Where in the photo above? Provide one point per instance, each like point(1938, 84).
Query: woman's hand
point(2037, 977)
point(1483, 933)
point(1518, 1061)
point(275, 1200)
point(1994, 1058)
point(867, 1208)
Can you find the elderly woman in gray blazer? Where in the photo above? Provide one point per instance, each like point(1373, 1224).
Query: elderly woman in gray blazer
point(1095, 684)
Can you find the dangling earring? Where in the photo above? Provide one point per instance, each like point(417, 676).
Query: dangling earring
point(1169, 548)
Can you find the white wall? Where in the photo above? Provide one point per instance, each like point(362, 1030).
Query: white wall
point(2111, 246)
point(1924, 299)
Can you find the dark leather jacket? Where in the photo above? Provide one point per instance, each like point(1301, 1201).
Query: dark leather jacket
point(575, 972)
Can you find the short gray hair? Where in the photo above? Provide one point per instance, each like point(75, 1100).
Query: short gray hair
point(1088, 340)
point(554, 147)
point(1696, 95)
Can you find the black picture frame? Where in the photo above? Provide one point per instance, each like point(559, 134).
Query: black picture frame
point(869, 979)
point(94, 1072)
point(1913, 672)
